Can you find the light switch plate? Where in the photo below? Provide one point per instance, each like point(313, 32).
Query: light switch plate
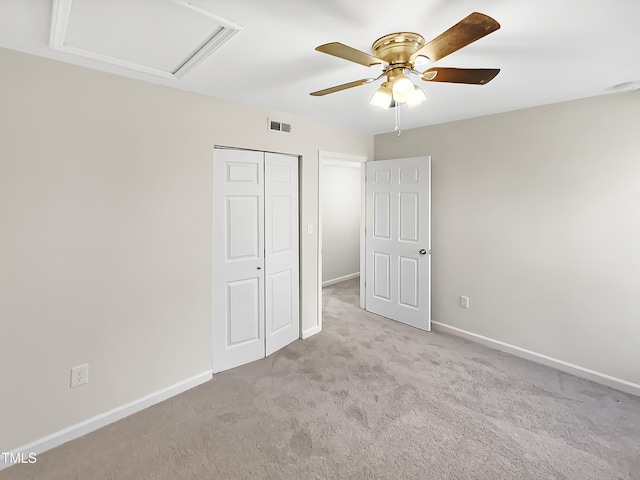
point(464, 301)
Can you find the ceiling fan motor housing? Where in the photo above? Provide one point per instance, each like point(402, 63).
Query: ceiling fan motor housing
point(396, 48)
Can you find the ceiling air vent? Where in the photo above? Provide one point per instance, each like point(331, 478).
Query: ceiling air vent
point(279, 127)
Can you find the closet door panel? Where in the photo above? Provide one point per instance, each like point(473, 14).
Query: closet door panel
point(238, 258)
point(282, 251)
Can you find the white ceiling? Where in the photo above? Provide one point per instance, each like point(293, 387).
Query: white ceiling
point(549, 51)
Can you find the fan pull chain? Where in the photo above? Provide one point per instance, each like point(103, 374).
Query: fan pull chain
point(397, 109)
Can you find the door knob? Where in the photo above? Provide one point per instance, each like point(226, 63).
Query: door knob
point(422, 251)
point(259, 268)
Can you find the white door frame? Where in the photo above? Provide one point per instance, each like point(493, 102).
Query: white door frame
point(329, 158)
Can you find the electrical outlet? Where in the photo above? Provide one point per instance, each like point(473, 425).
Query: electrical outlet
point(79, 375)
point(464, 301)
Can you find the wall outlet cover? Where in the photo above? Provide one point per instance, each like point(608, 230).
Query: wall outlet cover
point(79, 375)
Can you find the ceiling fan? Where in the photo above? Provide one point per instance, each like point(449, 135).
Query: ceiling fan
point(405, 53)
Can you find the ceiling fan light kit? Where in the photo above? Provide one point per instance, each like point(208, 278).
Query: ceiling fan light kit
point(406, 53)
point(396, 90)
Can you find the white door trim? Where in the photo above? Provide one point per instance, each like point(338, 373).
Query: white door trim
point(332, 158)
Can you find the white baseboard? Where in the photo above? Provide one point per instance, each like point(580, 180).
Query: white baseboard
point(602, 378)
point(78, 430)
point(340, 279)
point(311, 331)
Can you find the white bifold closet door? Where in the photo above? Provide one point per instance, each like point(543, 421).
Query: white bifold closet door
point(255, 255)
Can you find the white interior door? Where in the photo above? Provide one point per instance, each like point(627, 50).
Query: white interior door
point(255, 256)
point(281, 251)
point(398, 240)
point(238, 258)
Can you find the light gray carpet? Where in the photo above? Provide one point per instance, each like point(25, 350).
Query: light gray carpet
point(368, 398)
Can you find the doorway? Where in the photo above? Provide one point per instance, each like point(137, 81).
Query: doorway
point(341, 221)
point(340, 188)
point(395, 237)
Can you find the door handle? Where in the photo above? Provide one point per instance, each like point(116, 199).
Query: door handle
point(259, 268)
point(422, 251)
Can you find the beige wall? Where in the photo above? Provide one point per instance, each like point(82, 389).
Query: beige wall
point(536, 217)
point(106, 229)
point(106, 220)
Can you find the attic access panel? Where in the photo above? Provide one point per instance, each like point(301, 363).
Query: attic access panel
point(167, 38)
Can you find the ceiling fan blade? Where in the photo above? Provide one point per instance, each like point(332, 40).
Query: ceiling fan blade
point(466, 31)
point(474, 76)
point(341, 50)
point(344, 86)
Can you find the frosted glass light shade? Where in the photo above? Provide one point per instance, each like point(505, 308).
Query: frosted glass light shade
point(382, 97)
point(402, 89)
point(417, 98)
